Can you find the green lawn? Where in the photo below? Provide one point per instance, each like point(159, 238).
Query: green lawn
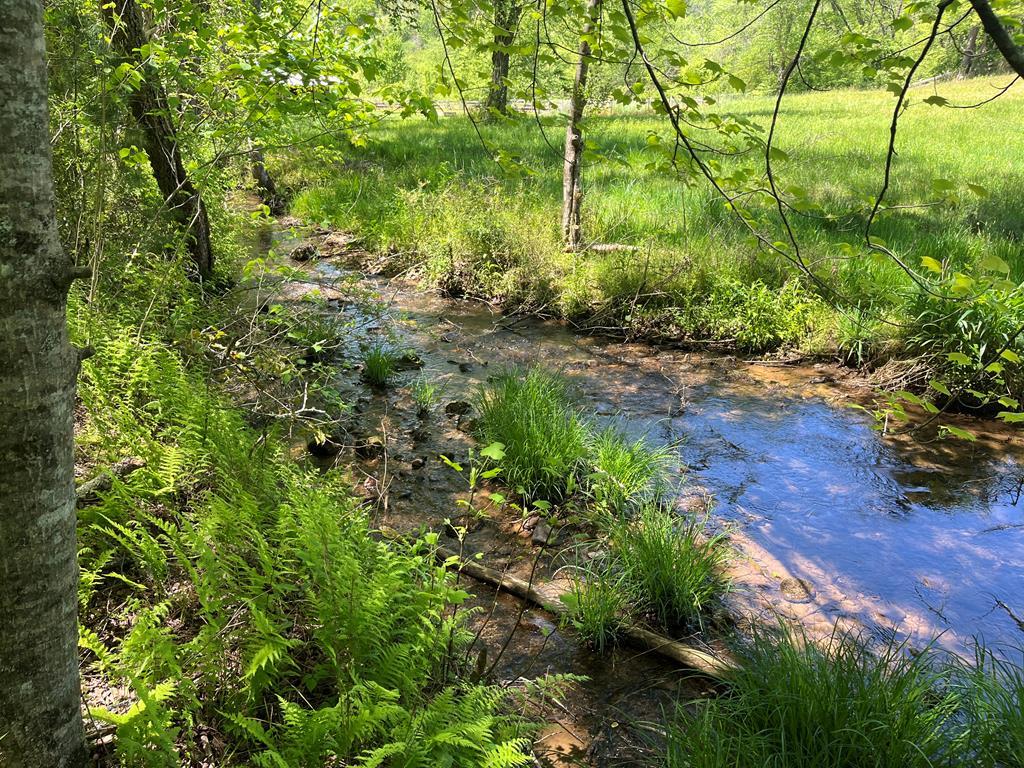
point(430, 193)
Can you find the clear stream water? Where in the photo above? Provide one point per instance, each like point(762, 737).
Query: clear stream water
point(921, 538)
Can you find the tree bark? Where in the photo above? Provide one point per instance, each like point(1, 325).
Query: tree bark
point(506, 18)
point(149, 108)
point(40, 693)
point(970, 52)
point(265, 187)
point(1004, 42)
point(572, 191)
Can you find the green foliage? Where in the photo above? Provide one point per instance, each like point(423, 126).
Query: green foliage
point(791, 703)
point(625, 473)
point(379, 366)
point(534, 415)
point(992, 727)
point(597, 602)
point(425, 394)
point(671, 567)
point(222, 548)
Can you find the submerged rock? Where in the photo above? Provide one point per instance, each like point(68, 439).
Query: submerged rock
point(544, 535)
point(796, 590)
point(458, 408)
point(304, 252)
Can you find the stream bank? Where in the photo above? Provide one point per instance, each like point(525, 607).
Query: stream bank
point(832, 523)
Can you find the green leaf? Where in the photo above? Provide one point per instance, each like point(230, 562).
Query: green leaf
point(933, 264)
point(992, 263)
point(737, 83)
point(959, 358)
point(963, 434)
point(1010, 356)
point(939, 387)
point(1011, 417)
point(938, 101)
point(677, 8)
point(494, 451)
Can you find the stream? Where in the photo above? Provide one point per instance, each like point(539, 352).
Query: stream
point(922, 538)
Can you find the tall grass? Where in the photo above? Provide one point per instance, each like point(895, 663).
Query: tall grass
point(624, 473)
point(432, 190)
point(597, 602)
point(672, 570)
point(533, 413)
point(793, 704)
point(993, 728)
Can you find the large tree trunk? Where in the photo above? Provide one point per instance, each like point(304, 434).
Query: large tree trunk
point(572, 191)
point(506, 18)
point(40, 693)
point(149, 108)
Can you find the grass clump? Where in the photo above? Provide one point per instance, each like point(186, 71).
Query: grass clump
point(624, 472)
point(793, 704)
point(379, 365)
point(993, 726)
point(672, 570)
point(597, 602)
point(425, 394)
point(534, 415)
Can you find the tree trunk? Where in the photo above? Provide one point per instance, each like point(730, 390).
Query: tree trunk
point(572, 192)
point(506, 18)
point(970, 52)
point(150, 110)
point(40, 694)
point(265, 187)
point(1000, 36)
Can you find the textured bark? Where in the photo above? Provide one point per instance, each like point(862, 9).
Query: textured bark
point(994, 28)
point(970, 52)
point(40, 693)
point(265, 187)
point(506, 18)
point(572, 190)
point(149, 108)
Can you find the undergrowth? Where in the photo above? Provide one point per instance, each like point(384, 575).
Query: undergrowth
point(244, 603)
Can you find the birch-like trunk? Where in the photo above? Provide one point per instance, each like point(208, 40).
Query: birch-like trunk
point(40, 693)
point(149, 108)
point(572, 190)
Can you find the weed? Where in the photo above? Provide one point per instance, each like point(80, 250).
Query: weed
point(378, 366)
point(793, 704)
point(625, 473)
point(597, 602)
point(425, 394)
point(546, 440)
point(672, 569)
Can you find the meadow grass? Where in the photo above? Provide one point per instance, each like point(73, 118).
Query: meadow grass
point(431, 190)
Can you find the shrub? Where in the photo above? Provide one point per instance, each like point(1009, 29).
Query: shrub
point(671, 569)
point(792, 704)
point(546, 440)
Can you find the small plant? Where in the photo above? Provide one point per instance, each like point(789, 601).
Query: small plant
point(425, 394)
point(624, 473)
point(672, 569)
point(378, 366)
point(545, 438)
point(793, 704)
point(597, 602)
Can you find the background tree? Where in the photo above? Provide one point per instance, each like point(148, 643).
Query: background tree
point(506, 19)
point(149, 105)
point(40, 715)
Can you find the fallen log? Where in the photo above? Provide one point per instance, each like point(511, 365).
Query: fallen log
point(715, 667)
point(104, 481)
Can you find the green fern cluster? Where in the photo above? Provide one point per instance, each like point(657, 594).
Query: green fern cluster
point(254, 599)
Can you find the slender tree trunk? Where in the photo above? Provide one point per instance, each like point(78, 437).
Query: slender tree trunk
point(40, 693)
point(506, 18)
point(265, 186)
point(149, 108)
point(970, 52)
point(572, 191)
point(1000, 36)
